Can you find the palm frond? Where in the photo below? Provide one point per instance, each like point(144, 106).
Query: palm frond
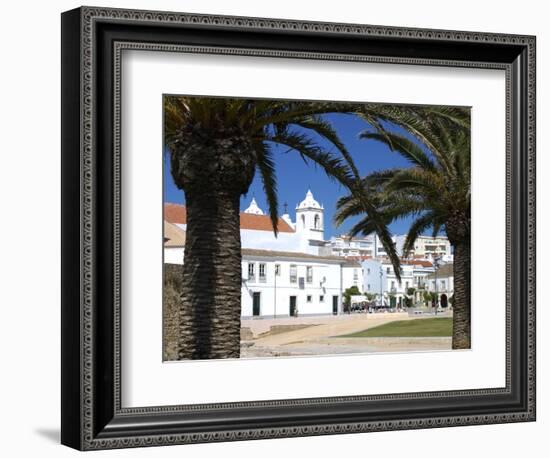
point(323, 128)
point(417, 228)
point(334, 167)
point(406, 148)
point(266, 167)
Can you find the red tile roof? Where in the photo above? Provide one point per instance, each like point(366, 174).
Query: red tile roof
point(409, 262)
point(358, 258)
point(177, 214)
point(421, 262)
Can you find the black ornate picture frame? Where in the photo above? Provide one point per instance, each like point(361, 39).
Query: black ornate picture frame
point(92, 42)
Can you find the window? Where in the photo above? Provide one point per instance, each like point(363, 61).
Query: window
point(392, 285)
point(308, 298)
point(406, 284)
point(355, 274)
point(388, 270)
point(443, 285)
point(303, 220)
point(278, 269)
point(309, 274)
point(368, 287)
point(262, 272)
point(293, 273)
point(316, 222)
point(251, 274)
point(368, 271)
point(321, 298)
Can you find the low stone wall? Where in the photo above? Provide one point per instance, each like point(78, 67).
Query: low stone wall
point(246, 334)
point(279, 329)
point(170, 310)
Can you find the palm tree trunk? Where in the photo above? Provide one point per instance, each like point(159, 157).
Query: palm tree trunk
point(210, 324)
point(462, 305)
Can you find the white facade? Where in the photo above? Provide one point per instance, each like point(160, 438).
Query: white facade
point(433, 247)
point(441, 282)
point(352, 275)
point(173, 255)
point(379, 278)
point(265, 240)
point(374, 278)
point(356, 247)
point(371, 246)
point(397, 290)
point(282, 284)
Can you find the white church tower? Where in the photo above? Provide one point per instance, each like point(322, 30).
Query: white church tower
point(253, 208)
point(310, 219)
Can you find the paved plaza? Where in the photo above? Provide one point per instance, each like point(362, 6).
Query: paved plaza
point(305, 336)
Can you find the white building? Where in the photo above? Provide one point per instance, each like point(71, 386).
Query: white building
point(278, 283)
point(347, 246)
point(379, 278)
point(442, 283)
point(371, 247)
point(363, 247)
point(433, 247)
point(352, 275)
point(284, 275)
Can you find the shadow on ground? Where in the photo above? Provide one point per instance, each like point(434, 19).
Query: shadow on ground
point(52, 435)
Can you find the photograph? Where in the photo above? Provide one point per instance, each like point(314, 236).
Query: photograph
point(311, 227)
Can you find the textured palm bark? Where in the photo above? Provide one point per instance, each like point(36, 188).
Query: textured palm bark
point(462, 298)
point(214, 168)
point(458, 231)
point(210, 308)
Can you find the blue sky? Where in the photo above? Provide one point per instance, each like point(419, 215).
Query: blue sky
point(294, 177)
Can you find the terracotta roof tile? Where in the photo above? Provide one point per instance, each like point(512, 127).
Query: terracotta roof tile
point(177, 214)
point(421, 262)
point(446, 270)
point(358, 258)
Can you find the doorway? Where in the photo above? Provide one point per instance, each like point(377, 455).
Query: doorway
point(292, 310)
point(335, 305)
point(256, 304)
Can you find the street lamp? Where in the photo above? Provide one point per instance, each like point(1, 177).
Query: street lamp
point(437, 260)
point(381, 274)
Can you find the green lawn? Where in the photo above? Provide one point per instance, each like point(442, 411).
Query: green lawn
point(421, 327)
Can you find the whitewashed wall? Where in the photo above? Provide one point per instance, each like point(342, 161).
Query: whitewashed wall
point(173, 255)
point(266, 240)
point(275, 292)
point(348, 279)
